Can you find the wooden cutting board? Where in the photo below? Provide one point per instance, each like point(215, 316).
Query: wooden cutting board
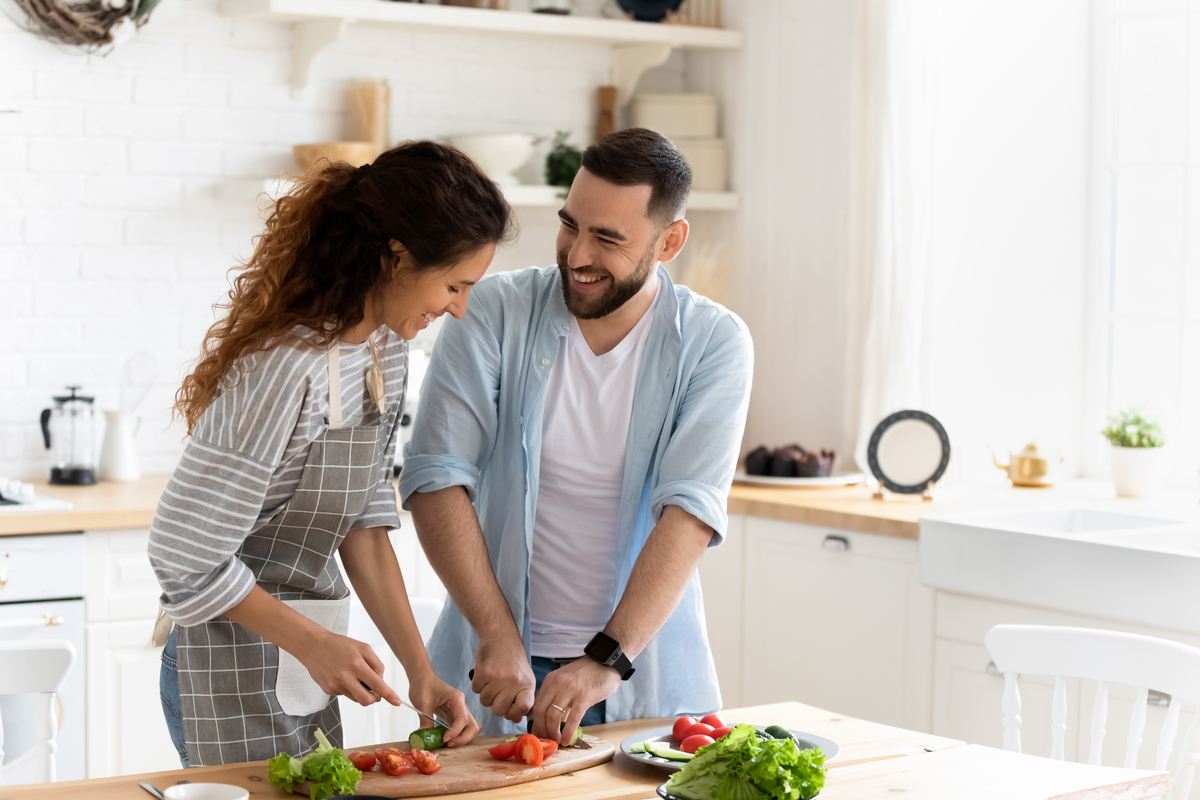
point(472, 769)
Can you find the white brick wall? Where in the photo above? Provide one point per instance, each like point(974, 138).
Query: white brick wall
point(115, 236)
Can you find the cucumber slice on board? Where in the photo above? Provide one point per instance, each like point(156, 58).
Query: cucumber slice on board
point(427, 738)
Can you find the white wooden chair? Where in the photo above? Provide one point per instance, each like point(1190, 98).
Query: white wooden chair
point(1106, 657)
point(37, 667)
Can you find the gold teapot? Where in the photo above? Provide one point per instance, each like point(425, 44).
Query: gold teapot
point(1030, 467)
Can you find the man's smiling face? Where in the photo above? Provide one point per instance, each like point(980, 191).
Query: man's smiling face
point(607, 246)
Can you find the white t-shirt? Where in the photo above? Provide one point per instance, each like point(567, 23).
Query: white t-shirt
point(589, 399)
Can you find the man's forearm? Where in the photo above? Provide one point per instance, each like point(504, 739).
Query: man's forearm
point(659, 579)
point(453, 542)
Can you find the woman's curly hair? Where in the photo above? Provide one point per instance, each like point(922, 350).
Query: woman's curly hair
point(326, 250)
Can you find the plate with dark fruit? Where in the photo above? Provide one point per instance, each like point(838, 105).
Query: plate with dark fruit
point(793, 465)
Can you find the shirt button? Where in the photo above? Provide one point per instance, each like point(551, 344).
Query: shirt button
point(566, 328)
point(545, 362)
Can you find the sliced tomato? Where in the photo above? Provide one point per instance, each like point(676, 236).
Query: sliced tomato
point(361, 760)
point(504, 751)
point(426, 762)
point(395, 764)
point(549, 747)
point(681, 725)
point(529, 750)
point(714, 721)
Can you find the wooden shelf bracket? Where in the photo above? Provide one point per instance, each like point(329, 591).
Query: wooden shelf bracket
point(308, 39)
point(629, 62)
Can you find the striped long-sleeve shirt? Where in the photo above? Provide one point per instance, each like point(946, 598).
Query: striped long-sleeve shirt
point(243, 463)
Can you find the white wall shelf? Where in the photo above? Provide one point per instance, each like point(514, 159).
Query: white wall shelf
point(637, 46)
point(523, 196)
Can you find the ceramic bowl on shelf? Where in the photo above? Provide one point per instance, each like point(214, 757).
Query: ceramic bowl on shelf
point(498, 154)
point(353, 153)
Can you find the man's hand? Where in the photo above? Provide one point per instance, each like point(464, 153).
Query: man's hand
point(575, 688)
point(430, 693)
point(503, 679)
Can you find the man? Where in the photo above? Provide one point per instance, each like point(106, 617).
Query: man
point(576, 440)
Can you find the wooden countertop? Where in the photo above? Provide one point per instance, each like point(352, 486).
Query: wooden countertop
point(875, 759)
point(853, 509)
point(132, 505)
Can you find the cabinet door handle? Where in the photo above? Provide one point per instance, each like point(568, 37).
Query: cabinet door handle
point(991, 668)
point(835, 542)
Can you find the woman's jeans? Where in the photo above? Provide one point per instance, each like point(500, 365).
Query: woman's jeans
point(168, 693)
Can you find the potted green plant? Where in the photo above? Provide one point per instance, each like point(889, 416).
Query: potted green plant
point(563, 161)
point(1136, 453)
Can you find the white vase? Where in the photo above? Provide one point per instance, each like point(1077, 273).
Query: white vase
point(1136, 471)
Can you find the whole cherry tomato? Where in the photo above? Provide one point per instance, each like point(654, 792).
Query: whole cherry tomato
point(699, 729)
point(693, 743)
point(681, 725)
point(714, 720)
point(720, 732)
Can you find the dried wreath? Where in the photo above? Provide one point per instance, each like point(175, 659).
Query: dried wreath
point(91, 24)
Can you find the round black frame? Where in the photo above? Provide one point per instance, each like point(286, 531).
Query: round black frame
point(873, 451)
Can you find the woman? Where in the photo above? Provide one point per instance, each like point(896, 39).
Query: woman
point(293, 411)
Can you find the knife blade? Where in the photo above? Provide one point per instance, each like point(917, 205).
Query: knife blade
point(433, 717)
point(152, 790)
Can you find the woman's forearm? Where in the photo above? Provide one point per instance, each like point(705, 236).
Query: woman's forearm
point(374, 572)
point(276, 622)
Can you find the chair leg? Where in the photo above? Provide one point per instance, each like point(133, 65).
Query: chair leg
point(1189, 758)
point(47, 735)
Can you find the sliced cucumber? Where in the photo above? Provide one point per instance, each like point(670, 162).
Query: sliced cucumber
point(576, 739)
point(427, 738)
point(663, 750)
point(640, 747)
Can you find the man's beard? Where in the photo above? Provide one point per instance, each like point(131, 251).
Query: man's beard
point(618, 293)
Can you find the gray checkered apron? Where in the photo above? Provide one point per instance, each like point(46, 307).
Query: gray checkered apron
point(228, 674)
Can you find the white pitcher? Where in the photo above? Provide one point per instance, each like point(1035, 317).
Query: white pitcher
point(118, 453)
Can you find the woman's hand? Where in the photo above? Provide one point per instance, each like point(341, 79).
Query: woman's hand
point(344, 666)
point(430, 693)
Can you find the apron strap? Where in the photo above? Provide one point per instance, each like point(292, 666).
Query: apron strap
point(335, 388)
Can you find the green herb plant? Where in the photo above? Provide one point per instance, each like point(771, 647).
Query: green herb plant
point(328, 768)
point(563, 161)
point(741, 766)
point(1130, 428)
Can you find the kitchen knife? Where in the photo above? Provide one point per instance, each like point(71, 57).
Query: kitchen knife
point(404, 702)
point(152, 790)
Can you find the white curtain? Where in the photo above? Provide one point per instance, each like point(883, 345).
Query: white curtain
point(890, 198)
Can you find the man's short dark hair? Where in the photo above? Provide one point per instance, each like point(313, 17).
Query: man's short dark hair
point(641, 157)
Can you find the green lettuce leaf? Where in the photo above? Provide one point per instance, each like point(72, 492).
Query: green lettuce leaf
point(740, 766)
point(328, 768)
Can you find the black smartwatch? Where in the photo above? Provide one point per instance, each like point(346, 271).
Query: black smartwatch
point(607, 651)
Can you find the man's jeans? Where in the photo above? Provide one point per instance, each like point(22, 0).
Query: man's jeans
point(168, 693)
point(543, 667)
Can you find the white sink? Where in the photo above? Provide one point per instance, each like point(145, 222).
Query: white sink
point(1140, 569)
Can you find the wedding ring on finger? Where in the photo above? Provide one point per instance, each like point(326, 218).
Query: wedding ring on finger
point(566, 712)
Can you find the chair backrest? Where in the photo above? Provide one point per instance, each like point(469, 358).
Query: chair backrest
point(1105, 657)
point(36, 667)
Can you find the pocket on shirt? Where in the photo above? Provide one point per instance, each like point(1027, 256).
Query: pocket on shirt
point(298, 694)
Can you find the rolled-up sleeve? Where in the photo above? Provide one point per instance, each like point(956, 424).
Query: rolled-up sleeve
point(698, 464)
point(206, 511)
point(455, 428)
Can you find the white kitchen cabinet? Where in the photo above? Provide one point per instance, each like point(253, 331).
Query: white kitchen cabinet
point(126, 732)
point(966, 698)
point(836, 619)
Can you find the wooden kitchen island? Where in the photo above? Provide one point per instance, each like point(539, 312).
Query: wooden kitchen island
point(876, 761)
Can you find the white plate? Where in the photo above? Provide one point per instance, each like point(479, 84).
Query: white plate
point(849, 479)
point(828, 746)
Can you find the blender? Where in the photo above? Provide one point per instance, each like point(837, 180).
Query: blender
point(71, 427)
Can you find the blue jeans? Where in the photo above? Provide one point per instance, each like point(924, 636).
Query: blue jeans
point(168, 693)
point(543, 667)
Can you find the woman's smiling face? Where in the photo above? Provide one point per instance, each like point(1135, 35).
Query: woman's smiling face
point(412, 301)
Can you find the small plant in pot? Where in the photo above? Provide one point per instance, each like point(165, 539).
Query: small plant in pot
point(1136, 454)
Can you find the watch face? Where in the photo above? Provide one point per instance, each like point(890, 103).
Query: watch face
point(601, 647)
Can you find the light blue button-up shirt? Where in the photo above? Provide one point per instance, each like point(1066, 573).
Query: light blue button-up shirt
point(479, 425)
